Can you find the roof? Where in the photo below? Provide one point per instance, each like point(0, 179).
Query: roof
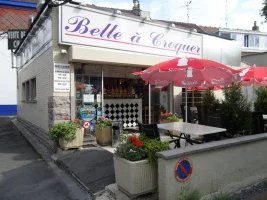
point(245, 54)
point(28, 1)
point(188, 26)
point(209, 29)
point(14, 18)
point(130, 13)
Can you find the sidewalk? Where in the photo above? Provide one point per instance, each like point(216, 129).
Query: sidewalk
point(77, 192)
point(91, 168)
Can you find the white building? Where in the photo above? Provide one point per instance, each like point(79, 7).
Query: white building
point(252, 41)
point(78, 61)
point(13, 15)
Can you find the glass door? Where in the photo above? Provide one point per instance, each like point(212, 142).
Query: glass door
point(88, 98)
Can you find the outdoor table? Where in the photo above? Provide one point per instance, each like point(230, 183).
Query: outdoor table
point(189, 129)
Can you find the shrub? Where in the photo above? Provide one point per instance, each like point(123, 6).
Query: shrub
point(210, 103)
point(103, 122)
point(67, 131)
point(171, 117)
point(135, 148)
point(261, 100)
point(235, 111)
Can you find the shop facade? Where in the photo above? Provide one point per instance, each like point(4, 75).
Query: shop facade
point(78, 62)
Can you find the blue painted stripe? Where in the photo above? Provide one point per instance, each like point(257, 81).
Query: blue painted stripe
point(8, 110)
point(17, 4)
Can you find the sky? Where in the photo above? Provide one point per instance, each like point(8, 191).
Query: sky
point(241, 13)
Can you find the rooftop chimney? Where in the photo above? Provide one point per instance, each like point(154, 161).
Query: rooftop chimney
point(136, 7)
point(255, 27)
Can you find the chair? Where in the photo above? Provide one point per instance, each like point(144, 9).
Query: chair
point(139, 125)
point(200, 115)
point(257, 123)
point(189, 114)
point(215, 122)
point(151, 131)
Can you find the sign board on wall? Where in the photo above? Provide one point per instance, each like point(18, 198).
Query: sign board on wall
point(61, 77)
point(14, 37)
point(86, 26)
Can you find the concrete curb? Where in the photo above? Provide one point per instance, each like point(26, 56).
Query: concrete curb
point(75, 191)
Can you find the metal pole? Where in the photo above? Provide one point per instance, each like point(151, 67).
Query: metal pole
point(12, 62)
point(102, 95)
point(186, 96)
point(149, 103)
point(253, 94)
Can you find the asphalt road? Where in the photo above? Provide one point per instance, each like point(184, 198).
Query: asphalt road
point(23, 173)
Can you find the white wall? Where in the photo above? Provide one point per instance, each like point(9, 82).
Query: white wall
point(218, 167)
point(40, 67)
point(8, 82)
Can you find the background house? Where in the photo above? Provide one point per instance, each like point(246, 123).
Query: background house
point(13, 15)
point(253, 41)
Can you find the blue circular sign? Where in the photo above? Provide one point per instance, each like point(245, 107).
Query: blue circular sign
point(183, 170)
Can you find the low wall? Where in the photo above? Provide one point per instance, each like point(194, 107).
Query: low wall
point(220, 167)
point(40, 134)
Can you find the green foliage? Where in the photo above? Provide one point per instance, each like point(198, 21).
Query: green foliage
point(223, 197)
point(194, 195)
point(103, 122)
point(153, 146)
point(235, 111)
point(261, 100)
point(129, 150)
point(67, 131)
point(171, 117)
point(210, 103)
point(263, 11)
point(134, 148)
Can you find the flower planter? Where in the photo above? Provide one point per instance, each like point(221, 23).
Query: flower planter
point(163, 121)
point(76, 143)
point(135, 178)
point(103, 136)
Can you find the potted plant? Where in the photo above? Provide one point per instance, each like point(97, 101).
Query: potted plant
point(68, 134)
point(170, 117)
point(135, 164)
point(104, 131)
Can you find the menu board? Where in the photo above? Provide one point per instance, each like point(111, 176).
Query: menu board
point(61, 77)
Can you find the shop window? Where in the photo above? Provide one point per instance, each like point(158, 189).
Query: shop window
point(33, 89)
point(226, 35)
point(29, 90)
point(251, 41)
point(23, 92)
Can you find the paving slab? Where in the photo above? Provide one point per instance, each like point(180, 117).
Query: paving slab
point(93, 167)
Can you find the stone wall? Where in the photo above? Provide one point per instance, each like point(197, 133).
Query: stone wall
point(58, 108)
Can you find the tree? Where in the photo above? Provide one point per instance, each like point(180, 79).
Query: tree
point(261, 100)
point(235, 111)
point(263, 12)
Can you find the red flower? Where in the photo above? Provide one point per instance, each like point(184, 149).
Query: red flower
point(138, 143)
point(66, 118)
point(77, 120)
point(132, 138)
